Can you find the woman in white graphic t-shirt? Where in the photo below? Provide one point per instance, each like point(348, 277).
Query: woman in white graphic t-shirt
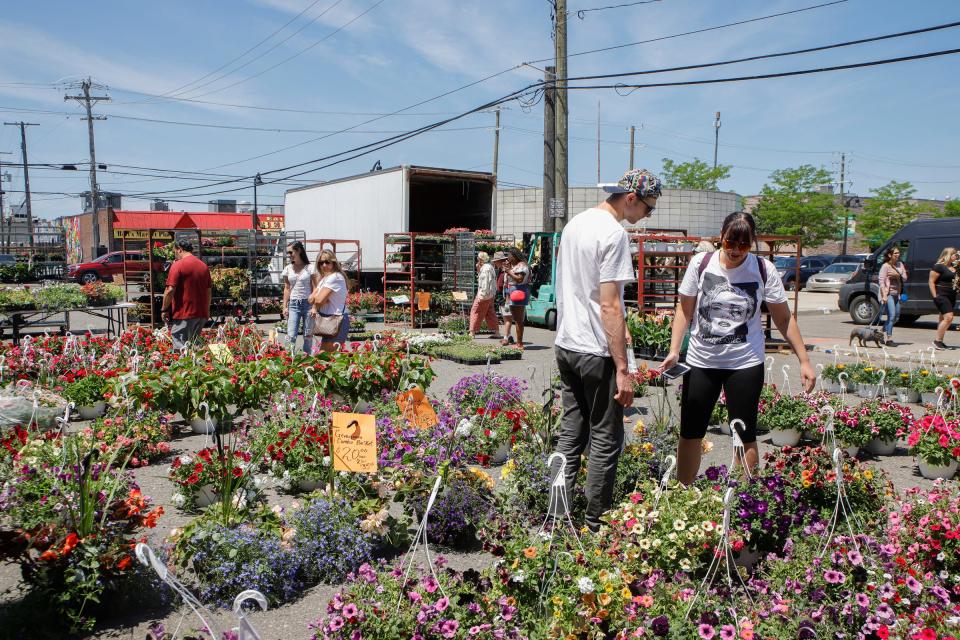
point(721, 294)
point(299, 281)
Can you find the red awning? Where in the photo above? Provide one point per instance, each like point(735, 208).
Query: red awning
point(151, 220)
point(221, 221)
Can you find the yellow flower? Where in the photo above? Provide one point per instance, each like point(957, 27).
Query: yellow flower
point(608, 588)
point(868, 474)
point(557, 600)
point(841, 366)
point(647, 447)
point(924, 372)
point(625, 593)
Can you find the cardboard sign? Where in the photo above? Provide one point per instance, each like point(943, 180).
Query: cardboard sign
point(400, 299)
point(221, 352)
point(423, 301)
point(460, 296)
point(416, 408)
point(354, 442)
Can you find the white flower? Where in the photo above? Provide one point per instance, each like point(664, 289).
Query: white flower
point(326, 461)
point(544, 535)
point(944, 575)
point(518, 577)
point(940, 556)
point(679, 525)
point(464, 428)
point(178, 500)
point(585, 585)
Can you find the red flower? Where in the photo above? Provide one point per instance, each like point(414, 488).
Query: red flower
point(69, 544)
point(193, 479)
point(124, 563)
point(237, 472)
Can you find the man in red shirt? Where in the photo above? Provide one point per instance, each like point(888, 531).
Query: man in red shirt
point(186, 300)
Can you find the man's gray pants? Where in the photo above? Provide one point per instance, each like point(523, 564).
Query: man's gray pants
point(590, 416)
point(186, 331)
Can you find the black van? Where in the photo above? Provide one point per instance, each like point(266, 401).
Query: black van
point(920, 244)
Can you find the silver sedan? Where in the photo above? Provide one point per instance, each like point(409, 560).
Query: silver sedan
point(832, 278)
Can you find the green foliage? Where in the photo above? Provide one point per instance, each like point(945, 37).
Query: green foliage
point(86, 391)
point(20, 272)
point(693, 175)
point(792, 206)
point(230, 282)
point(650, 331)
point(888, 211)
point(16, 300)
point(61, 296)
point(951, 209)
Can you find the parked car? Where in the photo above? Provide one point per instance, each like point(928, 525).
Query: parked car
point(833, 277)
point(856, 258)
point(920, 243)
point(787, 266)
point(7, 260)
point(107, 266)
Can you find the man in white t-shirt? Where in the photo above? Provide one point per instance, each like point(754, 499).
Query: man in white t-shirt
point(593, 265)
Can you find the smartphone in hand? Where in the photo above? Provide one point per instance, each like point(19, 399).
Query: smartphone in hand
point(675, 371)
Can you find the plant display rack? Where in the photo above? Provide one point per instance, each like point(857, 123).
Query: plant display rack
point(348, 252)
point(460, 263)
point(258, 258)
point(662, 259)
point(48, 257)
point(413, 263)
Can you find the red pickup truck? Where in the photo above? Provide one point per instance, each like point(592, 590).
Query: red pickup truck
point(107, 266)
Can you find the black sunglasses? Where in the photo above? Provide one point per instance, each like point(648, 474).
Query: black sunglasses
point(325, 262)
point(650, 207)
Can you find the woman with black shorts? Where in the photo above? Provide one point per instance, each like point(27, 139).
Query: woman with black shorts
point(722, 293)
point(943, 281)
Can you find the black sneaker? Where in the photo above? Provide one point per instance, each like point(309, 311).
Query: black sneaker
point(939, 345)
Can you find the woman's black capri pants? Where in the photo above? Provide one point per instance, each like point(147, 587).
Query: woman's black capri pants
point(701, 390)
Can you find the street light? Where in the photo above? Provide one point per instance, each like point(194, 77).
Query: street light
point(257, 181)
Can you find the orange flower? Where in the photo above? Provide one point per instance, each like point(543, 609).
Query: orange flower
point(124, 563)
point(48, 555)
point(71, 542)
point(530, 552)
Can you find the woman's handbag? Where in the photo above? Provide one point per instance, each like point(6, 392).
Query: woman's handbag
point(328, 326)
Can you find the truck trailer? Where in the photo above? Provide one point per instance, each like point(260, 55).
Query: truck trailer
point(405, 198)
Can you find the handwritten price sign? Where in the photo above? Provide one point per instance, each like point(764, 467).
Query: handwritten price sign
point(354, 442)
point(416, 408)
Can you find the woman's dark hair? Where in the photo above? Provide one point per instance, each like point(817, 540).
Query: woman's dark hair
point(298, 248)
point(516, 254)
point(185, 245)
point(889, 253)
point(739, 226)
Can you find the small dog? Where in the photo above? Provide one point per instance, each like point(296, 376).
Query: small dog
point(867, 334)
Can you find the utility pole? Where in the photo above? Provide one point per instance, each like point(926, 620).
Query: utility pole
point(26, 179)
point(254, 219)
point(843, 200)
point(88, 101)
point(716, 139)
point(496, 166)
point(598, 142)
point(549, 140)
point(2, 153)
point(632, 131)
point(561, 173)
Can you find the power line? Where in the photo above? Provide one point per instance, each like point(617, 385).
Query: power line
point(908, 164)
point(581, 13)
point(768, 76)
point(703, 30)
point(299, 53)
point(537, 86)
point(181, 88)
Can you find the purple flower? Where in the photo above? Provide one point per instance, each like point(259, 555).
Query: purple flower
point(706, 631)
point(442, 604)
point(862, 600)
point(854, 557)
point(660, 626)
point(336, 622)
point(431, 584)
point(350, 611)
point(913, 584)
point(833, 577)
point(728, 632)
point(449, 628)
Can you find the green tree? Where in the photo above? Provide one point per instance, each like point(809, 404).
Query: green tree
point(951, 209)
point(792, 205)
point(693, 175)
point(887, 211)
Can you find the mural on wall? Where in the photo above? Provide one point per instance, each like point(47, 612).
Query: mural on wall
point(71, 234)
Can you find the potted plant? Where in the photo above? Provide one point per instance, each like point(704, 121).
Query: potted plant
point(868, 380)
point(831, 377)
point(86, 394)
point(903, 388)
point(850, 431)
point(935, 442)
point(59, 297)
point(885, 421)
point(100, 294)
point(925, 382)
point(787, 418)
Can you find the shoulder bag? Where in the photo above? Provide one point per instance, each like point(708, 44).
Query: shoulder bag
point(329, 326)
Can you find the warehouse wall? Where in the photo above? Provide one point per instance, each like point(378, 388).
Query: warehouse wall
point(699, 212)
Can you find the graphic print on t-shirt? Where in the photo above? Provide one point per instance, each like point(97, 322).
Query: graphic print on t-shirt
point(724, 309)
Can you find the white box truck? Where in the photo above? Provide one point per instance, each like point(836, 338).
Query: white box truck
point(405, 198)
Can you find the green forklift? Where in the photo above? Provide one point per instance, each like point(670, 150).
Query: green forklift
point(541, 249)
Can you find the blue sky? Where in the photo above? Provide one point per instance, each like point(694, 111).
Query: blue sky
point(893, 122)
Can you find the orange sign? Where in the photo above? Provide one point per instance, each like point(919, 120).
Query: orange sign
point(416, 408)
point(354, 438)
point(423, 301)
